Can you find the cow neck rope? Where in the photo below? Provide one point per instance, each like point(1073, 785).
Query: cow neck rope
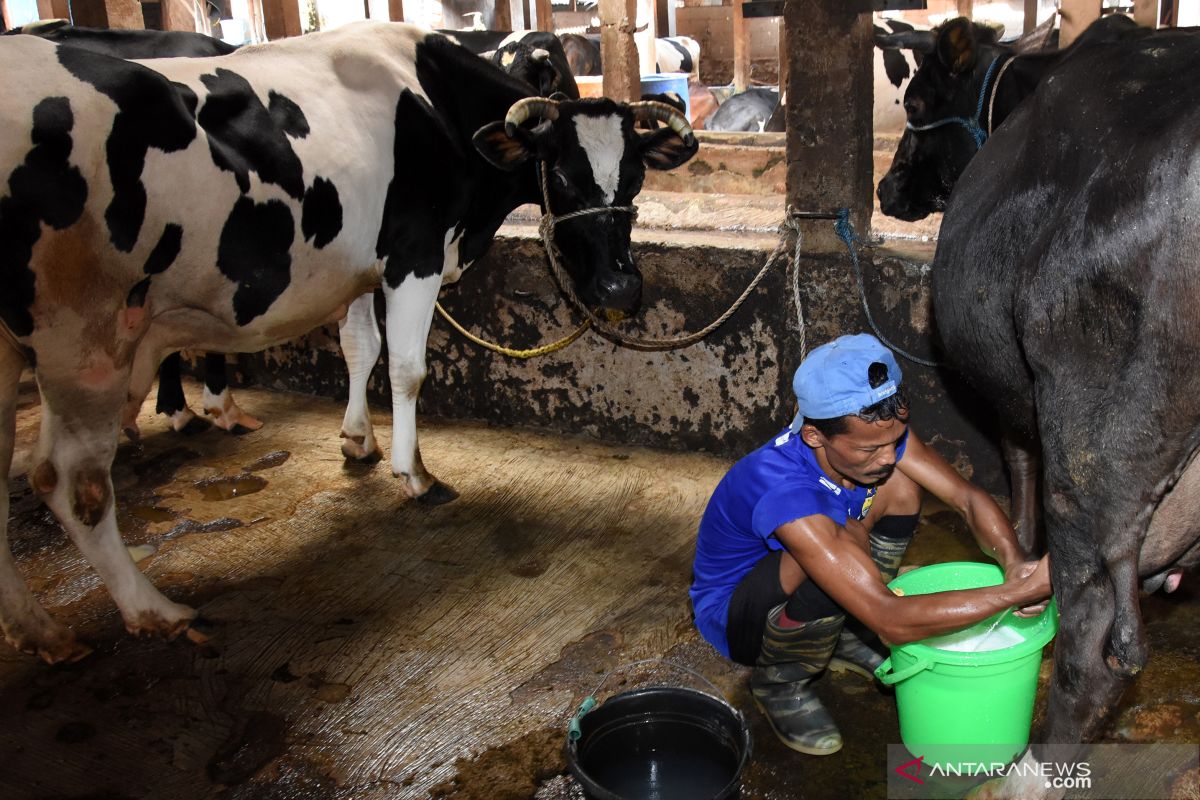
point(508, 351)
point(549, 220)
point(992, 99)
point(972, 123)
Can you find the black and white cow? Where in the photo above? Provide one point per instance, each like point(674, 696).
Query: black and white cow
point(217, 399)
point(536, 57)
point(1065, 289)
point(752, 110)
point(230, 204)
point(677, 54)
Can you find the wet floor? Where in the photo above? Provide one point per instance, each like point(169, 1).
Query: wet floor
point(367, 647)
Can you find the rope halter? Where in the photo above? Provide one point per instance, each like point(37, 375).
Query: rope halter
point(972, 124)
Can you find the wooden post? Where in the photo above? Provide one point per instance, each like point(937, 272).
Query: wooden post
point(281, 18)
point(5, 19)
point(178, 15)
point(644, 39)
point(395, 10)
point(966, 8)
point(123, 14)
point(45, 9)
point(829, 131)
point(783, 64)
point(502, 16)
point(618, 52)
point(1145, 13)
point(741, 53)
point(1076, 16)
point(545, 15)
point(1031, 11)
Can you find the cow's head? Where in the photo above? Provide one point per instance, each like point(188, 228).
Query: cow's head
point(594, 158)
point(946, 86)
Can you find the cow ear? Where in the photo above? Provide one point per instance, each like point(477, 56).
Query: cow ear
point(664, 149)
point(956, 45)
point(502, 151)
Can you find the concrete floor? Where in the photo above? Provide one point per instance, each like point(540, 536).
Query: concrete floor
point(369, 647)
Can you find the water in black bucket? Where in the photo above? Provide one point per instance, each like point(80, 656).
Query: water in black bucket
point(661, 743)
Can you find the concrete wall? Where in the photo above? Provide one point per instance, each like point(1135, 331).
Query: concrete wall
point(726, 395)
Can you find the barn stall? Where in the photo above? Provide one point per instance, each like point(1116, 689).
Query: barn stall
point(362, 645)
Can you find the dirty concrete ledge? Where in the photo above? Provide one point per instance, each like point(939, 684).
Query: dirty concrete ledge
point(725, 395)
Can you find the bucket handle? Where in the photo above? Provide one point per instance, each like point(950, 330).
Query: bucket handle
point(888, 678)
point(589, 702)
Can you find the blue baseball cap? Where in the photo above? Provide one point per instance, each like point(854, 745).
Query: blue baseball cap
point(832, 381)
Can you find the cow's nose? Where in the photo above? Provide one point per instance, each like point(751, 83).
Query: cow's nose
point(913, 107)
point(619, 291)
point(890, 198)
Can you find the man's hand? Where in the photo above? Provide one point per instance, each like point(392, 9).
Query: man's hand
point(1032, 578)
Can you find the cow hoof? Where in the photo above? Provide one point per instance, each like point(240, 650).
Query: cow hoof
point(234, 420)
point(59, 646)
point(438, 494)
point(132, 433)
point(200, 631)
point(153, 623)
point(354, 450)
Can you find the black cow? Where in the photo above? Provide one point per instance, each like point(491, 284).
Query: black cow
point(753, 110)
point(126, 43)
point(1065, 290)
point(535, 57)
point(582, 53)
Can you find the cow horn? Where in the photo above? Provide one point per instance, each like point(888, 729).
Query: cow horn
point(540, 54)
point(920, 41)
point(647, 110)
point(526, 108)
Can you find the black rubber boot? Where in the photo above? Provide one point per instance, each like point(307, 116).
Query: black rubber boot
point(790, 660)
point(859, 649)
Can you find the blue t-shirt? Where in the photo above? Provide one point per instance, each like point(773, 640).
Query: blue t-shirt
point(776, 484)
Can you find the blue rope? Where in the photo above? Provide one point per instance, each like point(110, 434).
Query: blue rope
point(845, 232)
point(971, 124)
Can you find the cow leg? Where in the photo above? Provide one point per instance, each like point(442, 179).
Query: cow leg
point(218, 400)
point(74, 457)
point(171, 400)
point(26, 625)
point(359, 335)
point(409, 315)
point(1024, 463)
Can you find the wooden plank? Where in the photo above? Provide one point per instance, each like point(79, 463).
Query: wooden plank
point(1031, 11)
point(178, 15)
point(1076, 16)
point(741, 51)
point(281, 18)
point(618, 51)
point(396, 10)
point(712, 27)
point(545, 15)
point(1145, 13)
point(124, 14)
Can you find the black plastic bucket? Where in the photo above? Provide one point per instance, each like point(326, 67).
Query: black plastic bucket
point(660, 743)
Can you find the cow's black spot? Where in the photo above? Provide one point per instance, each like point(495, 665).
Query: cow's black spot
point(152, 112)
point(245, 137)
point(45, 188)
point(321, 219)
point(254, 253)
point(166, 251)
point(137, 295)
point(287, 115)
point(424, 198)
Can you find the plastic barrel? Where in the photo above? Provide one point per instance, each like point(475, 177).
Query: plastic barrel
point(963, 708)
point(660, 743)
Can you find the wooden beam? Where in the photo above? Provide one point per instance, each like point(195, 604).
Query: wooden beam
point(1076, 16)
point(502, 16)
point(124, 14)
point(829, 125)
point(4, 17)
point(281, 18)
point(644, 39)
point(741, 53)
point(1145, 13)
point(45, 9)
point(545, 15)
point(965, 8)
point(178, 15)
point(395, 10)
point(618, 52)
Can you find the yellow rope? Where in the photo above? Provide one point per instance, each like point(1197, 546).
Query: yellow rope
point(537, 351)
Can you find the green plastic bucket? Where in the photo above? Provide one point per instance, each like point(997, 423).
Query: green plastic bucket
point(959, 708)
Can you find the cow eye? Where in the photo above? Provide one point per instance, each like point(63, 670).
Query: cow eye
point(561, 179)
